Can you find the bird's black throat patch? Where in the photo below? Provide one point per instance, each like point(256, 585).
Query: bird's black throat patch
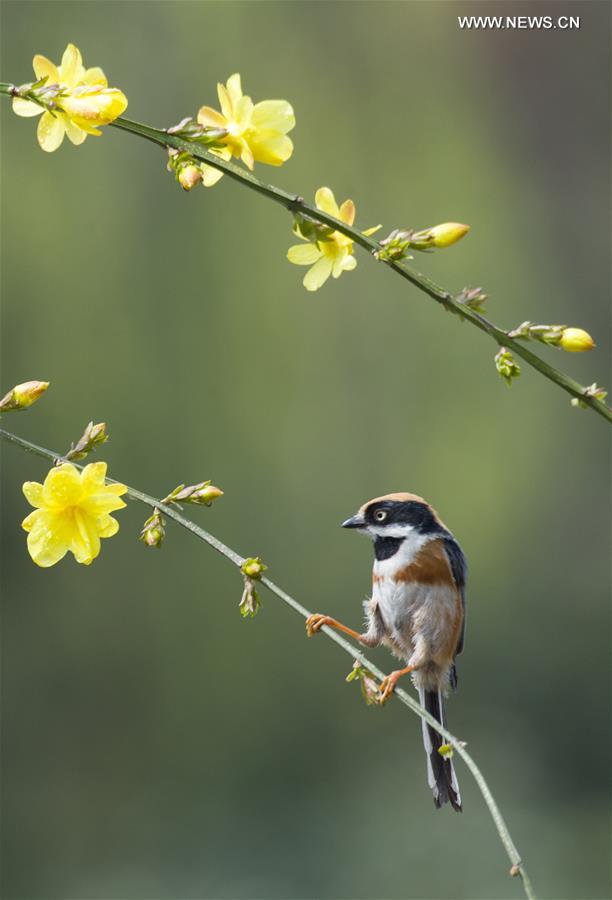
point(386, 547)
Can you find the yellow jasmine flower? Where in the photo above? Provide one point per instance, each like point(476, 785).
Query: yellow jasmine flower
point(82, 102)
point(72, 513)
point(257, 132)
point(331, 256)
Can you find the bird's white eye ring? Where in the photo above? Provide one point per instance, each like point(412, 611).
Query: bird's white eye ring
point(380, 515)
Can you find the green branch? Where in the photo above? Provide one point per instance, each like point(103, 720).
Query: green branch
point(517, 867)
point(296, 204)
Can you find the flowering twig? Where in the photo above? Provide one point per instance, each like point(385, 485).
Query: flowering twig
point(174, 140)
point(246, 566)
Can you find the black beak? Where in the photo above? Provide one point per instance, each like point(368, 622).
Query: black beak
point(354, 522)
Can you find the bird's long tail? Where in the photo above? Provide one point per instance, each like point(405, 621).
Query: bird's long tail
point(440, 772)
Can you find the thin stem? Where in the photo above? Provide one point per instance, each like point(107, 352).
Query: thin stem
point(296, 204)
point(356, 653)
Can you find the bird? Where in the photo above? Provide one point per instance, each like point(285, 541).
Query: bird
point(417, 610)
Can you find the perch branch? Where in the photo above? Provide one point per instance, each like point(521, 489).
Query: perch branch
point(517, 867)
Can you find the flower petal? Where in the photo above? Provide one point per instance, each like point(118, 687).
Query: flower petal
point(94, 75)
point(318, 274)
point(50, 537)
point(210, 176)
point(275, 115)
point(270, 147)
point(372, 230)
point(43, 67)
point(234, 89)
point(107, 526)
point(303, 254)
point(242, 112)
point(50, 131)
point(209, 116)
point(344, 262)
point(347, 212)
point(75, 134)
point(85, 543)
point(33, 493)
point(93, 475)
point(101, 504)
point(26, 108)
point(31, 519)
point(71, 68)
point(326, 201)
point(62, 487)
point(225, 101)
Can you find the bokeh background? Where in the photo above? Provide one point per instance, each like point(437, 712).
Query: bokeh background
point(155, 745)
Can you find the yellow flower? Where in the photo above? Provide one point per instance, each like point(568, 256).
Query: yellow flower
point(72, 513)
point(83, 101)
point(257, 133)
point(576, 340)
point(331, 256)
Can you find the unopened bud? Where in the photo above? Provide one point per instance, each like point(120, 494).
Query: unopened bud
point(23, 395)
point(576, 340)
point(253, 567)
point(201, 494)
point(446, 750)
point(593, 390)
point(153, 530)
point(89, 440)
point(189, 177)
point(506, 365)
point(439, 235)
point(370, 689)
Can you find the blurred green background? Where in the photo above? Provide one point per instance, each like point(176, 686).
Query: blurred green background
point(155, 745)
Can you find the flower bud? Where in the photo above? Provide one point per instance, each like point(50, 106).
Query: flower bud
point(201, 494)
point(447, 234)
point(189, 176)
point(250, 603)
point(253, 567)
point(506, 365)
point(23, 395)
point(153, 530)
point(439, 235)
point(89, 440)
point(370, 689)
point(576, 340)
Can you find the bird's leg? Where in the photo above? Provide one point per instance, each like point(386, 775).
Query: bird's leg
point(317, 620)
point(387, 685)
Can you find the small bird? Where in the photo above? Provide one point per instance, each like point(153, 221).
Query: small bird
point(417, 610)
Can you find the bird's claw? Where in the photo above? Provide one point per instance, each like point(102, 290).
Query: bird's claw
point(387, 686)
point(315, 622)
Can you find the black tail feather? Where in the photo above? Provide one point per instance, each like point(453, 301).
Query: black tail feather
point(442, 779)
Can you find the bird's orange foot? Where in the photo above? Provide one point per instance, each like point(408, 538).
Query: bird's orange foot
point(387, 685)
point(315, 622)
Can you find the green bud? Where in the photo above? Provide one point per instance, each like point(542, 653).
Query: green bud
point(370, 689)
point(591, 391)
point(506, 365)
point(201, 494)
point(89, 440)
point(153, 530)
point(253, 567)
point(474, 298)
point(250, 604)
